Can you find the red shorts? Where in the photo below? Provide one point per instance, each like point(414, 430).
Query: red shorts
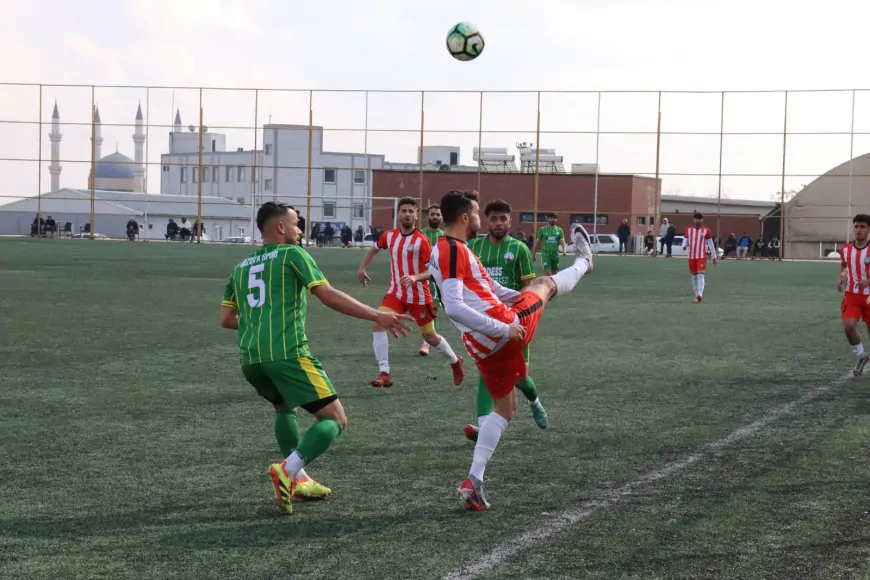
point(507, 365)
point(855, 306)
point(697, 265)
point(423, 314)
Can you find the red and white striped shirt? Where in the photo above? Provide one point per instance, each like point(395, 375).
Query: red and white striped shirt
point(471, 299)
point(857, 262)
point(409, 254)
point(696, 240)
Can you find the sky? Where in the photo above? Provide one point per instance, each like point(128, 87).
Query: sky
point(383, 45)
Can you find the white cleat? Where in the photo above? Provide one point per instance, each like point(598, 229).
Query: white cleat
point(582, 245)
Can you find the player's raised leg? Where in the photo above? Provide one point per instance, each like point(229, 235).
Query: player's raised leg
point(548, 287)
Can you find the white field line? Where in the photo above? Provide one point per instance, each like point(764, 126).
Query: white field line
point(612, 496)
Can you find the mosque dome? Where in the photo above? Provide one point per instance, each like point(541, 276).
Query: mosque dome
point(115, 166)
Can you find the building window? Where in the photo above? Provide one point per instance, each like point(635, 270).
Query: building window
point(359, 176)
point(268, 185)
point(527, 217)
point(150, 226)
point(213, 145)
point(454, 158)
point(241, 174)
point(184, 175)
point(358, 210)
point(241, 230)
point(195, 174)
point(165, 169)
point(217, 174)
point(328, 209)
point(641, 221)
point(254, 174)
point(268, 149)
point(588, 218)
point(229, 175)
point(329, 176)
point(206, 174)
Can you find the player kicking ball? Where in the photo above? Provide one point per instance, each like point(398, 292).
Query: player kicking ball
point(854, 282)
point(496, 323)
point(409, 251)
point(265, 301)
point(432, 232)
point(698, 240)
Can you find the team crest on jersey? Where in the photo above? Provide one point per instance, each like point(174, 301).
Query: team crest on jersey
point(508, 256)
point(867, 260)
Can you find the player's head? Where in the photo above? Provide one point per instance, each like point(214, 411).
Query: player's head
point(498, 218)
point(699, 218)
point(407, 212)
point(460, 208)
point(861, 226)
point(552, 218)
point(433, 216)
point(278, 224)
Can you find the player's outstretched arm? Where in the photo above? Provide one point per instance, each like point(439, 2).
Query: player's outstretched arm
point(341, 302)
point(366, 262)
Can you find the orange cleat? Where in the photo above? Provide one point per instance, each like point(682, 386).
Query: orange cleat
point(471, 432)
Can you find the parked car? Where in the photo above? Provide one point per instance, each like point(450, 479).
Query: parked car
point(677, 248)
point(601, 243)
point(84, 236)
point(238, 240)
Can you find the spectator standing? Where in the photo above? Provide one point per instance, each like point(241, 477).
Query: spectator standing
point(663, 234)
point(623, 233)
point(132, 229)
point(669, 238)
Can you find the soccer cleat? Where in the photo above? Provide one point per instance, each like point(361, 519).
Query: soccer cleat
point(458, 371)
point(582, 245)
point(383, 380)
point(471, 432)
point(284, 487)
point(471, 491)
point(310, 489)
point(698, 298)
point(424, 349)
point(539, 414)
point(858, 370)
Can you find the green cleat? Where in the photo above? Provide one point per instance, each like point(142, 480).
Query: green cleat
point(539, 414)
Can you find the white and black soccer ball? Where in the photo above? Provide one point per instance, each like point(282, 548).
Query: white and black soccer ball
point(464, 41)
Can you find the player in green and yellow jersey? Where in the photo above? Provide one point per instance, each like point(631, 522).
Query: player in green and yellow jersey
point(509, 262)
point(550, 241)
point(432, 232)
point(265, 300)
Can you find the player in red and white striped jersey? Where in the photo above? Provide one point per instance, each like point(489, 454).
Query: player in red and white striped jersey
point(410, 251)
point(699, 241)
point(496, 323)
point(855, 283)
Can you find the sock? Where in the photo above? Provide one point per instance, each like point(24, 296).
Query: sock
point(695, 284)
point(316, 440)
point(858, 349)
point(286, 432)
point(568, 278)
point(484, 401)
point(444, 348)
point(382, 350)
point(480, 421)
point(700, 284)
point(527, 387)
point(487, 440)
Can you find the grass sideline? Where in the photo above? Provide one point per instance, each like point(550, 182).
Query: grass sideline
point(132, 446)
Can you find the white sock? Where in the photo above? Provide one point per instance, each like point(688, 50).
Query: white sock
point(480, 421)
point(487, 441)
point(568, 278)
point(382, 350)
point(301, 475)
point(444, 348)
point(700, 284)
point(293, 464)
point(858, 349)
point(695, 284)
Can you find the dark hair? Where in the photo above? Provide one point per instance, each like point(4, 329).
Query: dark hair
point(433, 206)
point(270, 211)
point(412, 201)
point(698, 215)
point(455, 203)
point(861, 218)
point(553, 215)
point(497, 206)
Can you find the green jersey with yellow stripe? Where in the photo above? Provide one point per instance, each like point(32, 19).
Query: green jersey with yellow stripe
point(508, 262)
point(550, 236)
point(269, 290)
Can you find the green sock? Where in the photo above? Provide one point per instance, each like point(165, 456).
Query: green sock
point(485, 404)
point(318, 438)
point(528, 388)
point(286, 432)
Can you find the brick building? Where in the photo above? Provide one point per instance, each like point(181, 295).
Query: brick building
point(572, 196)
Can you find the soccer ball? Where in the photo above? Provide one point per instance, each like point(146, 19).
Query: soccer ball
point(464, 41)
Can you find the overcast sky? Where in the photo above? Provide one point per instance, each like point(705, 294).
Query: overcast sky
point(399, 44)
